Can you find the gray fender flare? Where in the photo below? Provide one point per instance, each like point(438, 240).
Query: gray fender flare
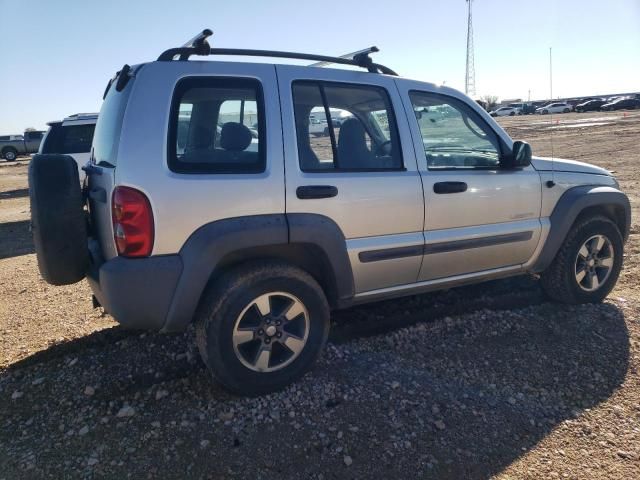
point(321, 231)
point(569, 206)
point(207, 246)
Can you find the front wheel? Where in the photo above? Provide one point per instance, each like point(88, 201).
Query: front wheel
point(566, 110)
point(587, 266)
point(262, 326)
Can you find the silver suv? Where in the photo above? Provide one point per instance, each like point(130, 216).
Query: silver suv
point(189, 217)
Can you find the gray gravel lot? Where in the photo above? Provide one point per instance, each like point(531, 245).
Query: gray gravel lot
point(453, 397)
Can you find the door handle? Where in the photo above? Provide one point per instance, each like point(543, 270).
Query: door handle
point(449, 187)
point(316, 191)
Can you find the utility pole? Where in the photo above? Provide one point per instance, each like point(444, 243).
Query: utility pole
point(550, 75)
point(470, 73)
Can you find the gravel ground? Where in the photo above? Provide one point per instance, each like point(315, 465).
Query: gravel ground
point(476, 382)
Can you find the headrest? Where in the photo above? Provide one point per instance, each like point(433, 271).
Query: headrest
point(352, 132)
point(235, 137)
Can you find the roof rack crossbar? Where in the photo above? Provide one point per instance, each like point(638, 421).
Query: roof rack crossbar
point(199, 46)
point(351, 55)
point(198, 43)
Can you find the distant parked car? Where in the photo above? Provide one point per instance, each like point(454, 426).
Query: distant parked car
point(505, 111)
point(72, 136)
point(13, 145)
point(557, 107)
point(525, 108)
point(621, 104)
point(590, 106)
point(317, 127)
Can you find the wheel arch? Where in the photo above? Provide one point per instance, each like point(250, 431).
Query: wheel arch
point(574, 206)
point(309, 241)
point(8, 148)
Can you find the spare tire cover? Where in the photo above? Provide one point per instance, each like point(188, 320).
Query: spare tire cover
point(58, 219)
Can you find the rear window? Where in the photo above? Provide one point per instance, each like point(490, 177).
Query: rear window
point(107, 134)
point(69, 139)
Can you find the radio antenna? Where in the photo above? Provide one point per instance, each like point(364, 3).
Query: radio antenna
point(552, 182)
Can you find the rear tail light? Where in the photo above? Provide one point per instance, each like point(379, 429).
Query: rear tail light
point(132, 222)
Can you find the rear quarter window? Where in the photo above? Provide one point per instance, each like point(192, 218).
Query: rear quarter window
point(216, 126)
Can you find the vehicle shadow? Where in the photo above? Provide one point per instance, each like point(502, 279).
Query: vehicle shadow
point(471, 395)
point(15, 239)
point(19, 193)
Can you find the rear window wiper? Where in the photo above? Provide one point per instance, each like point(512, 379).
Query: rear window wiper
point(121, 78)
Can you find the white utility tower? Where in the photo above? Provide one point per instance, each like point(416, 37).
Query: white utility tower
point(470, 74)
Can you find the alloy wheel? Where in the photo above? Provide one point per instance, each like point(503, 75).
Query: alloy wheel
point(594, 263)
point(271, 332)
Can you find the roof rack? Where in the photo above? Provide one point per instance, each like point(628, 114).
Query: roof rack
point(199, 45)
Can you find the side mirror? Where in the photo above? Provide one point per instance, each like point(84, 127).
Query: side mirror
point(520, 156)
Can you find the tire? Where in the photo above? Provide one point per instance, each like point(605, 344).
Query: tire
point(10, 154)
point(58, 221)
point(512, 114)
point(566, 110)
point(230, 303)
point(544, 112)
point(560, 280)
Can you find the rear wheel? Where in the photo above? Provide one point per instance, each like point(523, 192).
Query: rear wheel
point(587, 266)
point(566, 110)
point(262, 326)
point(10, 154)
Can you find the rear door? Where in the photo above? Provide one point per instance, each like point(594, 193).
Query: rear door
point(362, 175)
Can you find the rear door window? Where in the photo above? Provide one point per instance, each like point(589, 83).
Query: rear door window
point(345, 127)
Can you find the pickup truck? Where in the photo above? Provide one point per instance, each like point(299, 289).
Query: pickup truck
point(13, 145)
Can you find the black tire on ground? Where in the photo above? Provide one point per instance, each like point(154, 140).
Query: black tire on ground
point(58, 220)
point(9, 154)
point(559, 280)
point(512, 114)
point(566, 110)
point(231, 298)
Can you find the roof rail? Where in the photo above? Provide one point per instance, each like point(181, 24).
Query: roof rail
point(199, 45)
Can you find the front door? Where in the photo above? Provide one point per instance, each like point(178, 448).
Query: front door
point(478, 216)
point(360, 172)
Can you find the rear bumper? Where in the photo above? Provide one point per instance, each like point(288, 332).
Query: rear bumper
point(136, 292)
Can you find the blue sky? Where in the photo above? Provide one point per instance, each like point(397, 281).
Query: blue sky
point(58, 55)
